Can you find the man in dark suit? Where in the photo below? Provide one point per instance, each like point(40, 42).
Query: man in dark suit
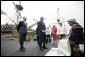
point(22, 33)
point(42, 34)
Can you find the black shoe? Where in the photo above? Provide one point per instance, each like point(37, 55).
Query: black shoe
point(22, 50)
point(45, 48)
point(41, 49)
point(53, 43)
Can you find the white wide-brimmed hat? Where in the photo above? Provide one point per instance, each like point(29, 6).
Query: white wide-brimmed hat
point(72, 20)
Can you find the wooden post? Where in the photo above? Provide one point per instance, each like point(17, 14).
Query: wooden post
point(17, 20)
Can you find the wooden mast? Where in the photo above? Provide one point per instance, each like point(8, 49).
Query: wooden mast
point(17, 19)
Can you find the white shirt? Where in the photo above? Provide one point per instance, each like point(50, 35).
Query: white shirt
point(47, 32)
point(25, 23)
point(71, 30)
point(61, 30)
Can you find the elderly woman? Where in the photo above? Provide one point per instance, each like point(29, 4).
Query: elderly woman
point(54, 34)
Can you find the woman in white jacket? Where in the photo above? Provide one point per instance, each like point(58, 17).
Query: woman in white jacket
point(48, 35)
point(62, 30)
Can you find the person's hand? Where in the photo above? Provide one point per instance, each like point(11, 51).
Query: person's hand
point(17, 31)
point(43, 30)
point(81, 51)
point(65, 38)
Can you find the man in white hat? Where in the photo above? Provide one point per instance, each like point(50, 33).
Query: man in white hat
point(76, 33)
point(72, 22)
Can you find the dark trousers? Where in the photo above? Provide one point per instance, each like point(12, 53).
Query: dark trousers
point(21, 40)
point(38, 40)
point(74, 52)
point(48, 38)
point(42, 40)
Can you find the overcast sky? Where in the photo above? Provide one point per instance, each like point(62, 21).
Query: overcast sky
point(47, 9)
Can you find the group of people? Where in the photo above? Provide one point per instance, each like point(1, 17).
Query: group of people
point(76, 34)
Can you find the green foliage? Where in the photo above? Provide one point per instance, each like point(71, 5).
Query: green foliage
point(32, 33)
